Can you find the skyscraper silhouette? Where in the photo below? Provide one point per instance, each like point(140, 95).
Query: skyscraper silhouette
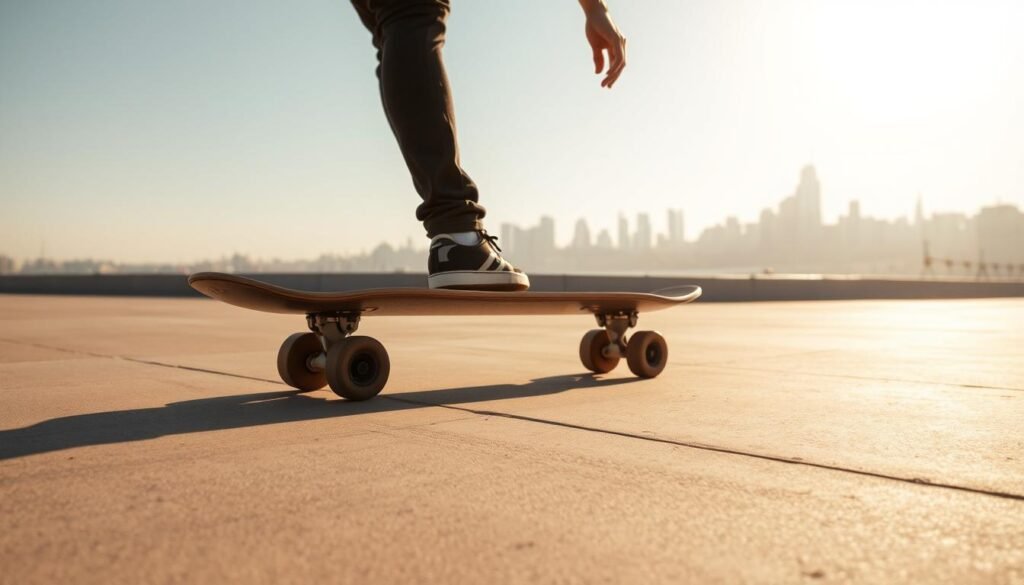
point(624, 243)
point(642, 238)
point(581, 235)
point(675, 237)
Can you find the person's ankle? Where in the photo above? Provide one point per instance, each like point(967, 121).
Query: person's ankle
point(466, 238)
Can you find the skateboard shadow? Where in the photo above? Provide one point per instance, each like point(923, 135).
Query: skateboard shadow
point(249, 410)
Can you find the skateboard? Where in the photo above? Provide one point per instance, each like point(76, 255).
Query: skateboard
point(356, 367)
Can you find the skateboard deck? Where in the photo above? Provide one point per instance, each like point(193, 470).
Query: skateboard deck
point(357, 367)
point(408, 302)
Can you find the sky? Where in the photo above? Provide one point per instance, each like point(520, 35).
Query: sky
point(179, 130)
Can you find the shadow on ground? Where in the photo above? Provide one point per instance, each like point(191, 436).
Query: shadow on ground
point(263, 408)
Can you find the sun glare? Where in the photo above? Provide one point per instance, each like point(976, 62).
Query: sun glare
point(893, 61)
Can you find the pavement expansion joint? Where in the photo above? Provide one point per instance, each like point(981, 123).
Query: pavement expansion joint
point(692, 445)
point(704, 447)
point(145, 362)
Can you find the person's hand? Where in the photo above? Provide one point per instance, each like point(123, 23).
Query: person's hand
point(604, 37)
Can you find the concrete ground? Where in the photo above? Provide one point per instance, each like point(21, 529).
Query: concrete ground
point(149, 440)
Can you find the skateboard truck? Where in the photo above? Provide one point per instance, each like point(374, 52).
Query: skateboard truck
point(616, 324)
point(330, 328)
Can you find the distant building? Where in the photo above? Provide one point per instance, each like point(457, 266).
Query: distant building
point(546, 235)
point(508, 237)
point(604, 240)
point(766, 235)
point(808, 196)
point(7, 265)
point(951, 235)
point(530, 246)
point(624, 243)
point(675, 237)
point(581, 235)
point(1000, 231)
point(643, 237)
point(799, 218)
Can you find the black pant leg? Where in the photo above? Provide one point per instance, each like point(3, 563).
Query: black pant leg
point(409, 36)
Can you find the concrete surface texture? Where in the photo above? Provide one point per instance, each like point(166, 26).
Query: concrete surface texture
point(150, 441)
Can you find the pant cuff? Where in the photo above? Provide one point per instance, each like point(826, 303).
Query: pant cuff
point(450, 226)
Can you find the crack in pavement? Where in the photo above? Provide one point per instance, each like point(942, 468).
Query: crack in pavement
point(920, 481)
point(142, 361)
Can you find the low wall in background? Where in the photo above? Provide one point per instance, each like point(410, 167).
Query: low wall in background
point(716, 288)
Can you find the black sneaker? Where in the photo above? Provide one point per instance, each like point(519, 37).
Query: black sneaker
point(476, 267)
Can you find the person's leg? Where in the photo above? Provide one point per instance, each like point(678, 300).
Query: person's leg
point(409, 36)
point(414, 88)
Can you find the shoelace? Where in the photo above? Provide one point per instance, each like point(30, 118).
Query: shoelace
point(492, 240)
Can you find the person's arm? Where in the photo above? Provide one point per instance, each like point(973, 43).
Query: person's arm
point(603, 35)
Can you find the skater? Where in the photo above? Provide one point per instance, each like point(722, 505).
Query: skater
point(409, 36)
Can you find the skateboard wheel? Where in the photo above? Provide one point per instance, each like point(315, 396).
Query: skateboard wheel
point(591, 352)
point(646, 353)
point(357, 367)
point(293, 362)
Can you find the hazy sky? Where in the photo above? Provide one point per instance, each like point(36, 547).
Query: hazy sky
point(176, 130)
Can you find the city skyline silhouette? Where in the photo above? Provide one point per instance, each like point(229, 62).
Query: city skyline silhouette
point(790, 237)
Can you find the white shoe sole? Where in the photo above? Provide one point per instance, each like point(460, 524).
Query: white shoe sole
point(479, 280)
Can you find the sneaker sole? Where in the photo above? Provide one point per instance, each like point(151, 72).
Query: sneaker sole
point(479, 280)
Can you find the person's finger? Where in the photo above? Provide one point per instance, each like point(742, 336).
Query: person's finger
point(613, 77)
point(609, 79)
point(613, 64)
point(598, 59)
point(617, 59)
point(621, 65)
point(613, 74)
